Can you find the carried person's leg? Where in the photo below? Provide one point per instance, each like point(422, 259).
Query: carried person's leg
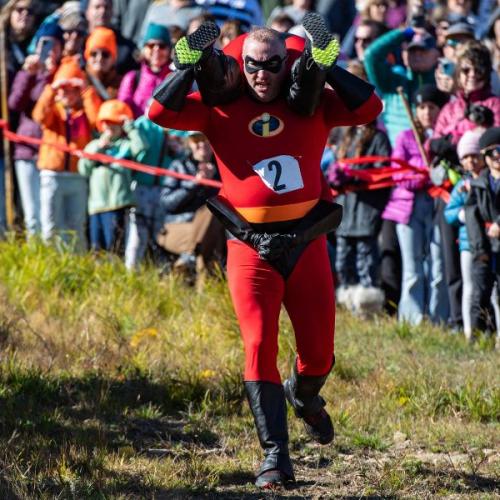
point(257, 292)
point(310, 303)
point(309, 71)
point(218, 76)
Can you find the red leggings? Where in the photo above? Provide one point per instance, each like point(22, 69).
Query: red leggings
point(258, 290)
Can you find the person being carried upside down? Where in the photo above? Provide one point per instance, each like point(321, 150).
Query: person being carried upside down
point(267, 117)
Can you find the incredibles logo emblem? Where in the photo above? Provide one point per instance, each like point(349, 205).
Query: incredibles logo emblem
point(266, 125)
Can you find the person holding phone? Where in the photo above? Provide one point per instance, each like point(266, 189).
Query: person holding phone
point(66, 111)
point(38, 70)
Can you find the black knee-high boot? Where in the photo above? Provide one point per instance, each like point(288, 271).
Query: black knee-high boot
point(267, 402)
point(302, 392)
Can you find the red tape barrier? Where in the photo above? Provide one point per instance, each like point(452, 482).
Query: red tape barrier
point(375, 178)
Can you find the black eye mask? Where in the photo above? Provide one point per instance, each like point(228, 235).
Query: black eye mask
point(273, 65)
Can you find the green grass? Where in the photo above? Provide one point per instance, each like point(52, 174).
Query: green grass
point(121, 385)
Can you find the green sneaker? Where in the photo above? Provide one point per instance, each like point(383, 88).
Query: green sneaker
point(190, 49)
point(325, 47)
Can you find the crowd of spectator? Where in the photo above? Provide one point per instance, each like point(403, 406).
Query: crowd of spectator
point(81, 74)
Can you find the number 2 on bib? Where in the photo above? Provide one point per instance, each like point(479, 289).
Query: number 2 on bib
point(281, 173)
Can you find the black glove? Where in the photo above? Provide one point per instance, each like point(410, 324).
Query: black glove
point(271, 246)
point(444, 149)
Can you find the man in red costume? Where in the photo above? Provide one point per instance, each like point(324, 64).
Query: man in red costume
point(268, 133)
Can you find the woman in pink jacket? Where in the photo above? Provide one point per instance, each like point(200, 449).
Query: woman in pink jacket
point(472, 76)
point(137, 86)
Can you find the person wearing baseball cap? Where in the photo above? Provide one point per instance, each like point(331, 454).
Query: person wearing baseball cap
point(110, 195)
point(482, 217)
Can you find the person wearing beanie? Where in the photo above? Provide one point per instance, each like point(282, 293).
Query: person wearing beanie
point(66, 112)
point(472, 163)
point(74, 26)
point(101, 52)
point(110, 195)
point(99, 14)
point(423, 290)
point(482, 218)
point(137, 86)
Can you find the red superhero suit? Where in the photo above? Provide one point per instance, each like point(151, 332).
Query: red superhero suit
point(269, 161)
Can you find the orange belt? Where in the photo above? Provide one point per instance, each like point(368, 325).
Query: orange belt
point(277, 213)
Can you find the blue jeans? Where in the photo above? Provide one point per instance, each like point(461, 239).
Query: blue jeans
point(145, 222)
point(28, 182)
point(106, 229)
point(423, 288)
point(359, 253)
point(63, 207)
point(3, 215)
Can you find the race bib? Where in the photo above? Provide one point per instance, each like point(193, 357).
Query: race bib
point(280, 173)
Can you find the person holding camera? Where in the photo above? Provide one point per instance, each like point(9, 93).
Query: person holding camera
point(38, 70)
point(419, 56)
point(66, 111)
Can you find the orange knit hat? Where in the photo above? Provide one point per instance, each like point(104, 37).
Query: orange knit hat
point(69, 73)
point(104, 39)
point(114, 111)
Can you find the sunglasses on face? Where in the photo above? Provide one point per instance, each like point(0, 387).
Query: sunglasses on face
point(364, 42)
point(493, 152)
point(103, 53)
point(468, 69)
point(74, 32)
point(273, 64)
point(152, 45)
point(20, 10)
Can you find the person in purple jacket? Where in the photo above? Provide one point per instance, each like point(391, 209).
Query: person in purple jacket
point(27, 87)
point(423, 288)
point(137, 86)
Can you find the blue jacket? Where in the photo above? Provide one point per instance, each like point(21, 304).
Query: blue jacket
point(457, 202)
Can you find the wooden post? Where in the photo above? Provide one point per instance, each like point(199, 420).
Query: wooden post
point(406, 104)
point(4, 75)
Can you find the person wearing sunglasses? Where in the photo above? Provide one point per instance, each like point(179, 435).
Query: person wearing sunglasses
point(137, 86)
point(275, 201)
point(472, 79)
point(100, 56)
point(20, 30)
point(482, 218)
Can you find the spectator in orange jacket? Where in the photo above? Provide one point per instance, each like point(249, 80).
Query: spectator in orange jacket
point(67, 112)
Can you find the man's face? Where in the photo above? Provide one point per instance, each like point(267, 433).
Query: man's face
point(420, 60)
point(68, 96)
point(264, 85)
point(99, 13)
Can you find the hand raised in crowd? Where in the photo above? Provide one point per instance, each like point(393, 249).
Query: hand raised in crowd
point(494, 231)
point(32, 64)
point(105, 139)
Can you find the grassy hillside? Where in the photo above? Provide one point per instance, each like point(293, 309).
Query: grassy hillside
point(117, 385)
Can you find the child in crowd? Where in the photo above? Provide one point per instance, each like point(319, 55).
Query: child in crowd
point(147, 214)
point(356, 248)
point(473, 163)
point(482, 218)
point(410, 206)
point(67, 113)
point(109, 184)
